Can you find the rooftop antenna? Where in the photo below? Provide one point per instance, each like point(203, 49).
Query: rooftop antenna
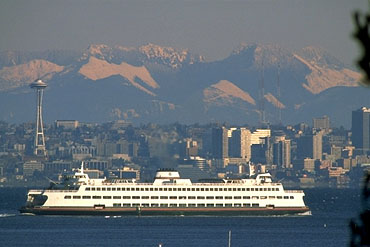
point(40, 150)
point(279, 94)
point(262, 96)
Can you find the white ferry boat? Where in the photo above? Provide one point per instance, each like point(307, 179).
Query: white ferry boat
point(167, 195)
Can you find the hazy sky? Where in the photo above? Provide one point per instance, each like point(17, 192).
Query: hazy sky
point(212, 28)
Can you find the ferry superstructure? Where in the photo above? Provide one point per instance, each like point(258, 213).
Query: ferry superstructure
point(167, 195)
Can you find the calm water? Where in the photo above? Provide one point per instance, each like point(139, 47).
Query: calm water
point(328, 226)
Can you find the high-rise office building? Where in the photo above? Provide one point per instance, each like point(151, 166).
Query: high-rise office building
point(282, 152)
point(220, 144)
point(310, 146)
point(361, 129)
point(321, 123)
point(240, 143)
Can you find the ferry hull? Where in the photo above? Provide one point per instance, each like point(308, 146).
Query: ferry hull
point(165, 211)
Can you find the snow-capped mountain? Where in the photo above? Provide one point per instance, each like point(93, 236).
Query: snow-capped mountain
point(163, 84)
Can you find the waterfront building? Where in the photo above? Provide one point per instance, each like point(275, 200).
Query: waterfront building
point(31, 166)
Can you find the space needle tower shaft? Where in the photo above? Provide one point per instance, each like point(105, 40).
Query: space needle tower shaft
point(40, 150)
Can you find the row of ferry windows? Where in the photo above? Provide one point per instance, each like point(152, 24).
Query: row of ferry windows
point(199, 205)
point(179, 189)
point(181, 197)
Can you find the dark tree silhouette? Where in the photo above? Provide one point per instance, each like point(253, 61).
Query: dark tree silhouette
point(361, 227)
point(361, 34)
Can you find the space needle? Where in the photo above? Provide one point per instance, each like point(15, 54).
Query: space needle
point(40, 150)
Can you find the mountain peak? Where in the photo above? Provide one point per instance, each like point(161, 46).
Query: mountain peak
point(168, 55)
point(319, 56)
point(224, 92)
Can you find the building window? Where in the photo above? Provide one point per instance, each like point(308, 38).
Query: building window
point(219, 205)
point(126, 197)
point(210, 205)
point(173, 197)
point(154, 205)
point(164, 197)
point(154, 197)
point(191, 197)
point(263, 197)
point(173, 205)
point(136, 197)
point(107, 197)
point(200, 197)
point(67, 197)
point(76, 197)
point(237, 197)
point(228, 197)
point(96, 197)
point(191, 205)
point(255, 205)
point(201, 205)
point(116, 197)
point(219, 197)
point(126, 205)
point(145, 205)
point(247, 205)
point(116, 205)
point(164, 205)
point(291, 197)
point(182, 197)
point(86, 197)
point(182, 205)
point(210, 197)
point(238, 205)
point(246, 197)
point(145, 197)
point(87, 188)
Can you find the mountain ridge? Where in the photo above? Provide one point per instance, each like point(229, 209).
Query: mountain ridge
point(178, 84)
